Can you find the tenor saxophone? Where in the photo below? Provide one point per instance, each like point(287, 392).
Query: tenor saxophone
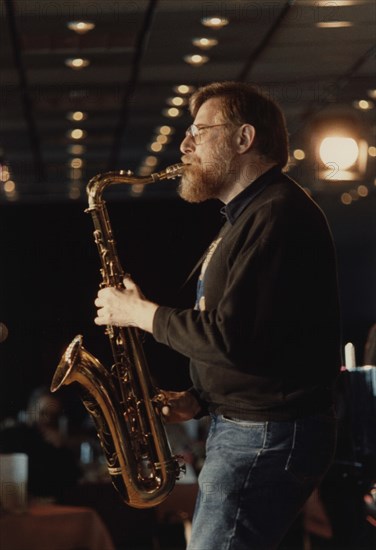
point(122, 400)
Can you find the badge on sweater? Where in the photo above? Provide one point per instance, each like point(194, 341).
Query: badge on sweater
point(200, 296)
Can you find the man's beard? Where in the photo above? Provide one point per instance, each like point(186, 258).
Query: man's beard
point(201, 182)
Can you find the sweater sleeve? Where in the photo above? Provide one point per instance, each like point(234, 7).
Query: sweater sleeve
point(192, 333)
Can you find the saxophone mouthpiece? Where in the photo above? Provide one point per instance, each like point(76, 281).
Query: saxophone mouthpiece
point(171, 172)
point(175, 170)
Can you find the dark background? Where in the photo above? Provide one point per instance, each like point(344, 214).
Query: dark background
point(50, 275)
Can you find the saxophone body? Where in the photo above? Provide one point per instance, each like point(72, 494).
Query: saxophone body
point(122, 401)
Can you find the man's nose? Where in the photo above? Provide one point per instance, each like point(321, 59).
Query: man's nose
point(187, 145)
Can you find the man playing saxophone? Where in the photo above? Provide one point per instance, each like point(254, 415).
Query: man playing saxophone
point(263, 336)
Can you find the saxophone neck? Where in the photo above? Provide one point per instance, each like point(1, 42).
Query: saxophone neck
point(100, 182)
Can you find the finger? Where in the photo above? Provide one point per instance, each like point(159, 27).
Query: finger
point(102, 293)
point(99, 321)
point(166, 410)
point(128, 283)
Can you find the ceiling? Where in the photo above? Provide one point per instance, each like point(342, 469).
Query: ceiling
point(136, 53)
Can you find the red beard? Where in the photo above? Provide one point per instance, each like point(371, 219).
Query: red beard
point(201, 182)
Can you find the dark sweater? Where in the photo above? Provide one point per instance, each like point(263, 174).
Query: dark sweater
point(267, 345)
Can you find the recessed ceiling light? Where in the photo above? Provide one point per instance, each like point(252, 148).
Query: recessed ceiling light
point(9, 187)
point(138, 188)
point(151, 161)
point(165, 130)
point(334, 24)
point(204, 43)
point(156, 147)
point(76, 162)
point(183, 89)
point(172, 112)
point(176, 101)
point(215, 22)
point(77, 62)
point(162, 139)
point(77, 116)
point(299, 154)
point(196, 60)
point(4, 172)
point(362, 190)
point(77, 133)
point(81, 27)
point(372, 93)
point(75, 173)
point(76, 149)
point(363, 104)
point(74, 191)
point(346, 198)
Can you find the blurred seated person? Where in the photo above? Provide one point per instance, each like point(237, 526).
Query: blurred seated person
point(53, 467)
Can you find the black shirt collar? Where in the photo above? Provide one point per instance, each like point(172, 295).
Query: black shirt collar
point(235, 207)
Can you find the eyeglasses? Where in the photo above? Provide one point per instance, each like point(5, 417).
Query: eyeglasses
point(196, 132)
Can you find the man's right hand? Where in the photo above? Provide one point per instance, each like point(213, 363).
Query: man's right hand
point(180, 406)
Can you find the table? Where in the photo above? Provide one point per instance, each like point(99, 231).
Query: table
point(137, 529)
point(54, 527)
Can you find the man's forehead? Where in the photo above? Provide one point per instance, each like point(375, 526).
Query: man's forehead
point(210, 112)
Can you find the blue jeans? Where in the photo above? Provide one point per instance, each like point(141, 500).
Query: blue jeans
point(256, 478)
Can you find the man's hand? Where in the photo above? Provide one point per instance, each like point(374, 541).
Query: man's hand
point(180, 406)
point(125, 307)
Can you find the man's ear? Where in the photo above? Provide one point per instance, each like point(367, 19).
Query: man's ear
point(245, 138)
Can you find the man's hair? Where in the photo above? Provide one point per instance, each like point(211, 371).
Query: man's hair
point(245, 103)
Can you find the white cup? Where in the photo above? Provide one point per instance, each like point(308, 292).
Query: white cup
point(13, 482)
